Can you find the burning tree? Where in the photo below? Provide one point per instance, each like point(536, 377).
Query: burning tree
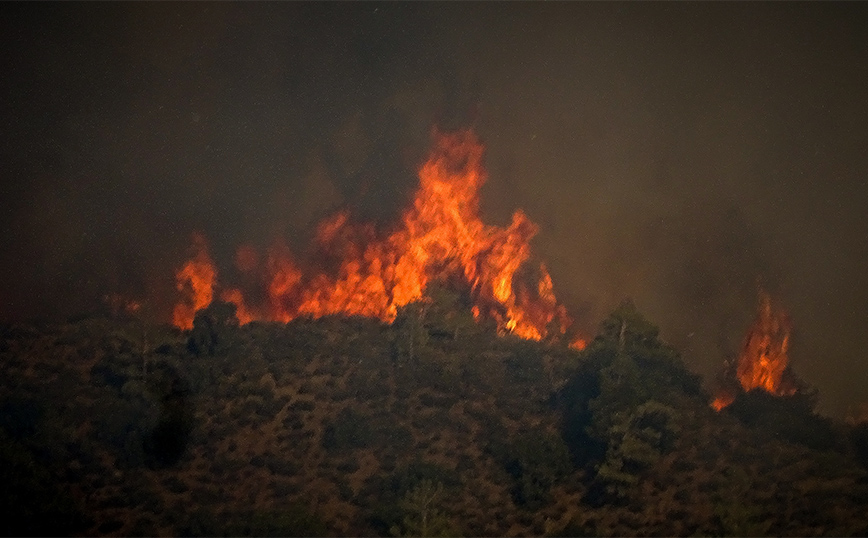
point(763, 362)
point(363, 271)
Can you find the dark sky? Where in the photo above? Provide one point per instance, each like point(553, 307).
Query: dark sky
point(673, 153)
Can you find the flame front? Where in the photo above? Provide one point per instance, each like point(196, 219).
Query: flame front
point(763, 361)
point(195, 280)
point(439, 236)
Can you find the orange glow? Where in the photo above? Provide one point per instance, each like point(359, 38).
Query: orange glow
point(195, 280)
point(357, 270)
point(763, 360)
point(763, 357)
point(722, 400)
point(246, 258)
point(579, 344)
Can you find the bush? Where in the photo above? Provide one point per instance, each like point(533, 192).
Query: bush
point(294, 520)
point(348, 431)
point(109, 373)
point(213, 330)
point(168, 441)
point(392, 493)
point(34, 503)
point(788, 417)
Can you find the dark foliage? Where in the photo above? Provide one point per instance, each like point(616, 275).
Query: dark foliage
point(388, 511)
point(294, 520)
point(167, 442)
point(213, 330)
point(19, 416)
point(469, 433)
point(33, 501)
point(789, 417)
point(348, 431)
point(625, 366)
point(536, 460)
point(859, 442)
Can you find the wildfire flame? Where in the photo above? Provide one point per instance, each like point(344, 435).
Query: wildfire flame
point(439, 236)
point(763, 361)
point(195, 280)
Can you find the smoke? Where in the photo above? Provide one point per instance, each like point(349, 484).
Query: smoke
point(671, 153)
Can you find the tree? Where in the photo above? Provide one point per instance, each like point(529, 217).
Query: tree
point(636, 441)
point(620, 391)
point(624, 394)
point(423, 516)
point(737, 516)
point(167, 442)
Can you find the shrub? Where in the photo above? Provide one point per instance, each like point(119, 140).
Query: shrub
point(34, 503)
point(348, 431)
point(406, 484)
point(294, 520)
point(789, 417)
point(213, 330)
point(422, 515)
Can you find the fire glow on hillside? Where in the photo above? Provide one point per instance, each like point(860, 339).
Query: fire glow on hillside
point(440, 237)
point(763, 361)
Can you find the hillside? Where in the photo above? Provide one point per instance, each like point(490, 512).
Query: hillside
point(432, 425)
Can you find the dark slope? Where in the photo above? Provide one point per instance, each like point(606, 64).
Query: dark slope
point(431, 426)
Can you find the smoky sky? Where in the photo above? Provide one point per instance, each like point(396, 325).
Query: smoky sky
point(677, 154)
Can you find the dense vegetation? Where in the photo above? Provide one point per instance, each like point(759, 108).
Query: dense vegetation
point(430, 426)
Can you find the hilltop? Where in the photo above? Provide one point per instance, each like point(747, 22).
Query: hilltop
point(431, 425)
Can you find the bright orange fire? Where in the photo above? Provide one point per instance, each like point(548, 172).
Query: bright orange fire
point(371, 274)
point(763, 361)
point(195, 280)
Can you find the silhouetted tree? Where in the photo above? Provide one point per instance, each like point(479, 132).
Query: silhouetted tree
point(627, 379)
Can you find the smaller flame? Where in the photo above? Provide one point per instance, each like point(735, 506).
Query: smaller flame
point(763, 362)
point(118, 304)
point(579, 344)
point(722, 400)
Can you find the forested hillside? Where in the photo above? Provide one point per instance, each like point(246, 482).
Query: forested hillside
point(433, 425)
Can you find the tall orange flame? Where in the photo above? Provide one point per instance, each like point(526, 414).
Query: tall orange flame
point(764, 354)
point(440, 236)
point(196, 280)
point(763, 361)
